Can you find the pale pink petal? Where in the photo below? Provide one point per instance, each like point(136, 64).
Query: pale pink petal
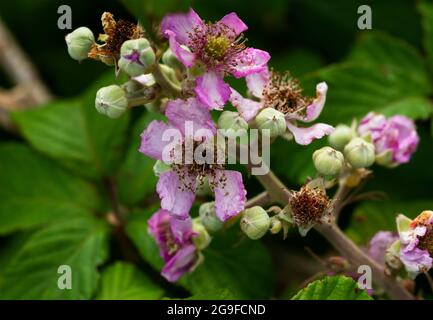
point(249, 61)
point(234, 22)
point(247, 108)
point(182, 54)
point(230, 193)
point(177, 193)
point(181, 228)
point(183, 261)
point(212, 91)
point(189, 112)
point(257, 82)
point(152, 144)
point(305, 136)
point(312, 111)
point(181, 24)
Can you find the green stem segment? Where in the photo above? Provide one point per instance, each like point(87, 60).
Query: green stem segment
point(340, 241)
point(167, 86)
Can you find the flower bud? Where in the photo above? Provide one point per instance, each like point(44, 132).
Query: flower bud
point(359, 153)
point(209, 218)
point(111, 101)
point(328, 161)
point(341, 136)
point(255, 222)
point(136, 57)
point(201, 239)
point(79, 43)
point(232, 123)
point(272, 121)
point(392, 254)
point(169, 59)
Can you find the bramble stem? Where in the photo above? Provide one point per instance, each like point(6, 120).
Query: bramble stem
point(340, 241)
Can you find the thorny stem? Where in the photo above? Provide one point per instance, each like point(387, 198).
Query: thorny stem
point(169, 87)
point(340, 241)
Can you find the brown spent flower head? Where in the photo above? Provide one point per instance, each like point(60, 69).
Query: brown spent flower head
point(308, 206)
point(284, 93)
point(115, 34)
point(426, 241)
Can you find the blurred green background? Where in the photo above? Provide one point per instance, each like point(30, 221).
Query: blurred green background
point(56, 174)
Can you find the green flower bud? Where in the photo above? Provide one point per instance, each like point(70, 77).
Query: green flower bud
point(255, 222)
point(169, 59)
point(272, 120)
point(79, 43)
point(328, 161)
point(392, 256)
point(232, 122)
point(111, 101)
point(341, 136)
point(202, 238)
point(359, 153)
point(209, 218)
point(136, 57)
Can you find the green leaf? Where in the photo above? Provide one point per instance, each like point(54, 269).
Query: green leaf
point(223, 294)
point(123, 281)
point(382, 74)
point(36, 191)
point(74, 133)
point(135, 178)
point(371, 217)
point(231, 262)
point(426, 10)
point(332, 288)
point(32, 273)
point(235, 263)
point(136, 229)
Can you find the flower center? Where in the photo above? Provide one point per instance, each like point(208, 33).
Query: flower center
point(216, 46)
point(284, 94)
point(308, 205)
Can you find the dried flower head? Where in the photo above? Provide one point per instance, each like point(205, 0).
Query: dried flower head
point(309, 206)
point(115, 34)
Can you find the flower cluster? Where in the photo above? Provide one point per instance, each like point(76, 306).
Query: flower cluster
point(186, 85)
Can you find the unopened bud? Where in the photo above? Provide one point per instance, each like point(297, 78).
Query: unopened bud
point(341, 136)
point(111, 101)
point(169, 59)
point(255, 222)
point(359, 153)
point(276, 225)
point(209, 218)
point(136, 57)
point(79, 43)
point(201, 238)
point(271, 121)
point(328, 161)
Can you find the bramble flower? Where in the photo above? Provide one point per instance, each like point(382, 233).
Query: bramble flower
point(395, 138)
point(218, 47)
point(416, 242)
point(177, 186)
point(284, 95)
point(175, 241)
point(379, 244)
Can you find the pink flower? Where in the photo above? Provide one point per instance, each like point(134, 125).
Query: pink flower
point(284, 94)
point(379, 244)
point(174, 238)
point(177, 187)
point(395, 138)
point(219, 47)
point(416, 238)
